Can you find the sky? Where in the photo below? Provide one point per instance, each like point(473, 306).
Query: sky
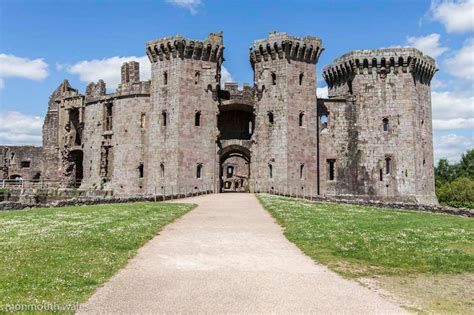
point(43, 42)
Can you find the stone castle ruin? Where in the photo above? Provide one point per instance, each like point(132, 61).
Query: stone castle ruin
point(371, 138)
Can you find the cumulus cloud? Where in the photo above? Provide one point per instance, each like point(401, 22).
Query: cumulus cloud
point(13, 66)
point(454, 123)
point(191, 5)
point(452, 105)
point(429, 44)
point(457, 16)
point(107, 69)
point(322, 92)
point(20, 129)
point(461, 64)
point(451, 146)
point(226, 77)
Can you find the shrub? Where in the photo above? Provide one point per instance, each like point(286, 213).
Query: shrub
point(458, 193)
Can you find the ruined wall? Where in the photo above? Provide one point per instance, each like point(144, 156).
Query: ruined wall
point(25, 162)
point(391, 95)
point(285, 78)
point(185, 77)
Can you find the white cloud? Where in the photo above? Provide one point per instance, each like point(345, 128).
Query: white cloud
point(322, 92)
point(429, 44)
point(451, 146)
point(13, 66)
point(461, 64)
point(226, 77)
point(191, 5)
point(452, 105)
point(20, 129)
point(455, 123)
point(457, 16)
point(107, 69)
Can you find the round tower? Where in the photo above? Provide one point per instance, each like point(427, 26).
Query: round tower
point(390, 153)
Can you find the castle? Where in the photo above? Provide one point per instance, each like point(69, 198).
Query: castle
point(371, 138)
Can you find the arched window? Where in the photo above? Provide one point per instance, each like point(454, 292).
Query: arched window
point(199, 170)
point(302, 171)
point(270, 170)
point(301, 78)
point(331, 169)
point(197, 119)
point(196, 77)
point(388, 165)
point(230, 171)
point(385, 124)
point(301, 119)
point(270, 118)
point(165, 78)
point(274, 78)
point(140, 170)
point(162, 169)
point(164, 117)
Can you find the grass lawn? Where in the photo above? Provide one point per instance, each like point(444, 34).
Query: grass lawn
point(406, 253)
point(61, 255)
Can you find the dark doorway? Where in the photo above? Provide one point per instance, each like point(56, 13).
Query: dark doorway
point(77, 157)
point(234, 169)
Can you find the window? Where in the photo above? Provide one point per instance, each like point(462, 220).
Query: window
point(140, 170)
point(162, 170)
point(108, 116)
point(323, 119)
point(270, 170)
point(385, 124)
point(301, 119)
point(199, 171)
point(197, 119)
point(274, 78)
point(388, 162)
point(196, 77)
point(331, 169)
point(301, 78)
point(164, 117)
point(230, 171)
point(25, 164)
point(165, 78)
point(301, 170)
point(143, 121)
point(270, 118)
point(381, 174)
point(250, 127)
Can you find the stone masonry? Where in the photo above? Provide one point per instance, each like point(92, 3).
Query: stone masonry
point(183, 130)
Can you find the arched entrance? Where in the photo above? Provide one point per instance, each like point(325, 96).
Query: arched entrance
point(234, 169)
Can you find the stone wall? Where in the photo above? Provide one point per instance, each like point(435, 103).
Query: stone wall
point(21, 162)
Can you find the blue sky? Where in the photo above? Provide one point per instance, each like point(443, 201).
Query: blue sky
point(42, 42)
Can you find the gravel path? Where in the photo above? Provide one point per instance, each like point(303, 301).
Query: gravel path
point(229, 256)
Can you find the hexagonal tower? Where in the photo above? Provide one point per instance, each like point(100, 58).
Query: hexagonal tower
point(185, 76)
point(389, 151)
point(285, 112)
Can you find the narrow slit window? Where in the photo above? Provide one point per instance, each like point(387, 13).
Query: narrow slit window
point(388, 165)
point(301, 171)
point(385, 124)
point(140, 170)
point(199, 171)
point(381, 175)
point(324, 121)
point(165, 78)
point(162, 170)
point(196, 77)
point(301, 119)
point(164, 117)
point(143, 121)
point(270, 170)
point(331, 169)
point(197, 119)
point(301, 78)
point(274, 78)
point(270, 118)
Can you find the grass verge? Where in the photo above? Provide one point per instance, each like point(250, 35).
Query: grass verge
point(388, 246)
point(61, 255)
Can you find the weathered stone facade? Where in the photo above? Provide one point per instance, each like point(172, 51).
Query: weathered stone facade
point(371, 138)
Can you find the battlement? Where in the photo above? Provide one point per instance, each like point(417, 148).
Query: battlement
point(284, 46)
point(130, 72)
point(210, 49)
point(383, 61)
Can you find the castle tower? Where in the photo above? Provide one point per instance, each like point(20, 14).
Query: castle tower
point(284, 155)
point(387, 119)
point(185, 76)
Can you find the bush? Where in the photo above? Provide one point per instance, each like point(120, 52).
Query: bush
point(458, 193)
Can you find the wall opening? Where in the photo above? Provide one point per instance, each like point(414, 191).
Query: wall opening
point(302, 171)
point(143, 121)
point(197, 119)
point(301, 119)
point(199, 170)
point(230, 171)
point(381, 175)
point(162, 170)
point(385, 124)
point(301, 78)
point(270, 170)
point(140, 170)
point(323, 121)
point(108, 116)
point(196, 77)
point(388, 165)
point(25, 164)
point(274, 78)
point(234, 168)
point(270, 118)
point(164, 118)
point(165, 78)
point(331, 163)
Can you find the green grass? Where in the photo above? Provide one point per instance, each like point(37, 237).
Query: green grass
point(358, 241)
point(424, 261)
point(61, 255)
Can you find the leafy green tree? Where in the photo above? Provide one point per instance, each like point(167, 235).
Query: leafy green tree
point(466, 165)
